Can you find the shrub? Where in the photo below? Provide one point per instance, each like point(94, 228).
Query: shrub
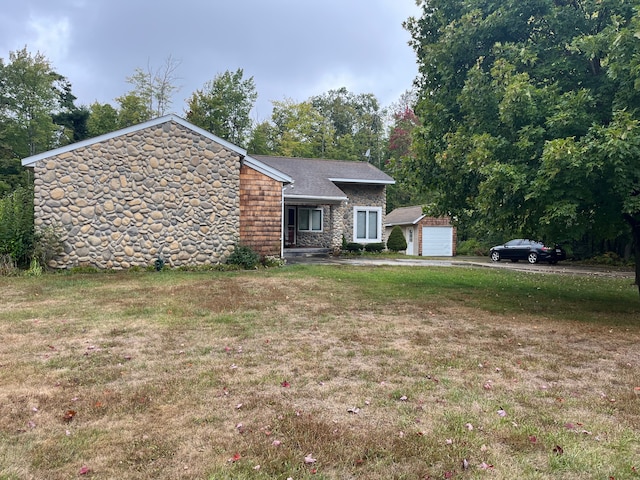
point(8, 266)
point(244, 256)
point(374, 247)
point(16, 225)
point(396, 242)
point(353, 247)
point(271, 261)
point(471, 247)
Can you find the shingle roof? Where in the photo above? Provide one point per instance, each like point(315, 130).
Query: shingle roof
point(405, 216)
point(320, 178)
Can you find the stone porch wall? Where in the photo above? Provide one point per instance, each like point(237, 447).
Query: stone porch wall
point(363, 196)
point(123, 202)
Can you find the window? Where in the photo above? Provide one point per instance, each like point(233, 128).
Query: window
point(367, 224)
point(310, 219)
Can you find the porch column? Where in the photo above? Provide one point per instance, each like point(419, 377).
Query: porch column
point(337, 225)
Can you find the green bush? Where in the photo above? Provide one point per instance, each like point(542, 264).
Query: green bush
point(353, 247)
point(244, 256)
point(471, 247)
point(396, 242)
point(374, 247)
point(16, 225)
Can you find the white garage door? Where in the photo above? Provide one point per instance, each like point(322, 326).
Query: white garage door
point(437, 241)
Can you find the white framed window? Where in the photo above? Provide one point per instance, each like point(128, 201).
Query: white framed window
point(309, 219)
point(367, 224)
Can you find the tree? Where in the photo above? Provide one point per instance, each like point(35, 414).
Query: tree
point(31, 92)
point(357, 123)
point(103, 118)
point(300, 130)
point(134, 109)
point(155, 88)
point(529, 112)
point(223, 106)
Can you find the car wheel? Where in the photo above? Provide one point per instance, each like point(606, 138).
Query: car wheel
point(533, 257)
point(495, 256)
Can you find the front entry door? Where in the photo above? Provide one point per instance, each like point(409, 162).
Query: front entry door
point(409, 250)
point(290, 239)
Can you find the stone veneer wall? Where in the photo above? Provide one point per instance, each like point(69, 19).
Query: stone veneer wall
point(260, 212)
point(164, 190)
point(363, 196)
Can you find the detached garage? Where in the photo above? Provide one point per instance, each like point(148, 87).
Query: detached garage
point(425, 236)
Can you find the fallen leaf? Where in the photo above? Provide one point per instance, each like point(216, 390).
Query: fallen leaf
point(276, 443)
point(309, 459)
point(285, 384)
point(84, 470)
point(533, 439)
point(68, 416)
point(354, 410)
point(238, 406)
point(558, 450)
point(502, 413)
point(30, 424)
point(235, 458)
point(403, 398)
point(469, 426)
point(485, 466)
point(465, 464)
point(257, 467)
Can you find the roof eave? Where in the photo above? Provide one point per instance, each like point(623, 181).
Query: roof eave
point(265, 169)
point(362, 180)
point(134, 128)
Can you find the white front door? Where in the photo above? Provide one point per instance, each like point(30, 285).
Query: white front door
point(410, 241)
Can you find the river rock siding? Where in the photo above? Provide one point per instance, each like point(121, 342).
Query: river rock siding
point(160, 191)
point(260, 212)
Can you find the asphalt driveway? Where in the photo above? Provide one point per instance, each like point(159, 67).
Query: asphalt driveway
point(567, 267)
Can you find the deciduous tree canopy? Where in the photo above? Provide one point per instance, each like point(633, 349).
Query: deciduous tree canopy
point(529, 114)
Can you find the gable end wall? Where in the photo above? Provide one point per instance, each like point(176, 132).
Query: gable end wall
point(164, 190)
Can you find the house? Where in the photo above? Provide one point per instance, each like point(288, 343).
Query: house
point(331, 199)
point(425, 236)
point(166, 188)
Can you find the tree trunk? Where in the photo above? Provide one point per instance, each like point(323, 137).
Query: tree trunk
point(635, 228)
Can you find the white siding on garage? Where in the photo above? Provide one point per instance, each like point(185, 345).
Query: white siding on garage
point(437, 241)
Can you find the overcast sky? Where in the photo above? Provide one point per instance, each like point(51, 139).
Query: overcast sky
point(292, 48)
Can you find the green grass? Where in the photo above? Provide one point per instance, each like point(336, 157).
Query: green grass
point(173, 373)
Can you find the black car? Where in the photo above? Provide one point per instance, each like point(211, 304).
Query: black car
point(530, 250)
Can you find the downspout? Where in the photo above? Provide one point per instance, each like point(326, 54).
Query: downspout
point(282, 222)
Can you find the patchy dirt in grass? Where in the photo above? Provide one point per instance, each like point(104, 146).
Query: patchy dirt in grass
point(266, 377)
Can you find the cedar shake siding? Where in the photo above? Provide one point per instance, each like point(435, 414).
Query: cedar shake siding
point(260, 212)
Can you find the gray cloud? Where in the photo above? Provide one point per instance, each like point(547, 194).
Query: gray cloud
point(292, 48)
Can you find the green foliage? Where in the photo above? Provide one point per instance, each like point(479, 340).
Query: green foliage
point(103, 118)
point(529, 114)
point(472, 247)
point(270, 261)
point(16, 225)
point(353, 247)
point(376, 247)
point(223, 106)
point(31, 96)
point(396, 241)
point(8, 267)
point(244, 256)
